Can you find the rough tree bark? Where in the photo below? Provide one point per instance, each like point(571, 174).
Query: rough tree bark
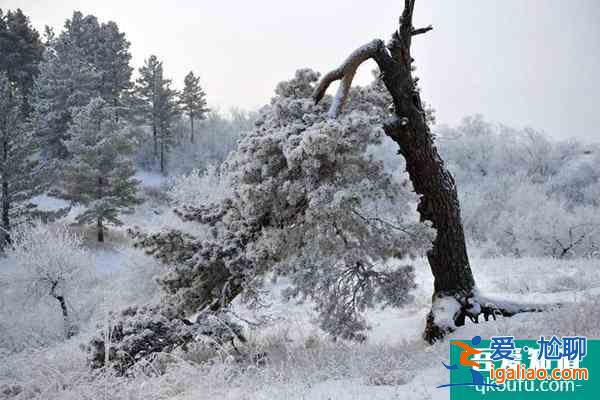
point(454, 286)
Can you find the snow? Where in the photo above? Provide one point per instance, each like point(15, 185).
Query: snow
point(49, 203)
point(108, 261)
point(303, 363)
point(150, 179)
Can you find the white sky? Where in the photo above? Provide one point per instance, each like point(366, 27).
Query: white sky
point(520, 62)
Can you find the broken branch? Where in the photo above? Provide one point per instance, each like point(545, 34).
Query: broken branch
point(420, 31)
point(346, 73)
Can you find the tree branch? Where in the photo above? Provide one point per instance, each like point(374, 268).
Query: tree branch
point(420, 31)
point(345, 73)
point(409, 6)
point(391, 64)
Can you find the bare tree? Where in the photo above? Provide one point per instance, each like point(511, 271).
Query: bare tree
point(562, 246)
point(455, 296)
point(50, 261)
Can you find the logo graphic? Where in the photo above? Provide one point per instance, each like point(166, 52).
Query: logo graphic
point(468, 351)
point(548, 368)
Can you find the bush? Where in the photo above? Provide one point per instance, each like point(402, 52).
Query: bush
point(47, 275)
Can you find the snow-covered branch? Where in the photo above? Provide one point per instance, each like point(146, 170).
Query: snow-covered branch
point(346, 73)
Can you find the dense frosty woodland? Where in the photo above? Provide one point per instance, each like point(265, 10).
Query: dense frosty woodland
point(163, 237)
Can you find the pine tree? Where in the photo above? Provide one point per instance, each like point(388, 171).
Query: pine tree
point(21, 173)
point(86, 60)
point(158, 106)
point(21, 51)
point(107, 49)
point(100, 173)
point(307, 201)
point(193, 101)
point(147, 94)
point(66, 83)
point(114, 65)
point(168, 111)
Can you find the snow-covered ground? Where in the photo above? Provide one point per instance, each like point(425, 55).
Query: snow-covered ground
point(302, 362)
point(149, 179)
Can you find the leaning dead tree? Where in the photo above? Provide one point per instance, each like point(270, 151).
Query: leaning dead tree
point(455, 296)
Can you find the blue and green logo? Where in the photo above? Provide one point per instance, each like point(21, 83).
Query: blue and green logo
point(547, 368)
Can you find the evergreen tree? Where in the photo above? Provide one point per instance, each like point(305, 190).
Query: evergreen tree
point(114, 65)
point(146, 91)
point(100, 173)
point(21, 173)
point(307, 200)
point(193, 101)
point(107, 49)
point(86, 60)
point(168, 111)
point(66, 83)
point(21, 51)
point(158, 106)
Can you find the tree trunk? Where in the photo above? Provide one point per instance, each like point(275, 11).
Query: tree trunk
point(438, 204)
point(116, 105)
point(6, 239)
point(100, 230)
point(99, 226)
point(155, 140)
point(162, 157)
point(454, 285)
point(431, 180)
point(65, 313)
point(192, 126)
point(5, 228)
point(69, 328)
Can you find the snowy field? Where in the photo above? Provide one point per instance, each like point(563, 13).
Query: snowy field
point(303, 363)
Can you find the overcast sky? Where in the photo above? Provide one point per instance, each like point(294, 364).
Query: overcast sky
point(520, 62)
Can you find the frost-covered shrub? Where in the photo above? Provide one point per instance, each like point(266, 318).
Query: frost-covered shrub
point(198, 187)
point(522, 194)
point(520, 219)
point(140, 332)
point(47, 274)
point(136, 333)
point(390, 377)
